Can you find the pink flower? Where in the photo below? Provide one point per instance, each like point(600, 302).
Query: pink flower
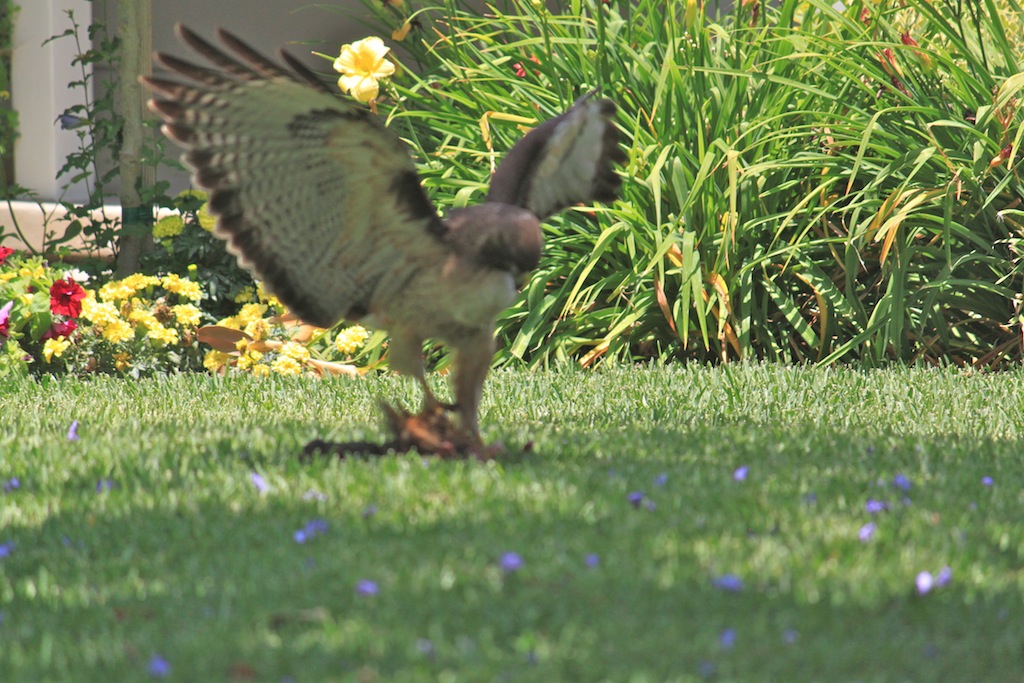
point(4, 253)
point(5, 319)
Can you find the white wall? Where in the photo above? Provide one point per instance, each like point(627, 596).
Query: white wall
point(40, 74)
point(39, 92)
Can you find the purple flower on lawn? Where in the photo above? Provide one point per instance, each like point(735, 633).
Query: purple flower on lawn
point(367, 587)
point(987, 481)
point(875, 506)
point(511, 562)
point(259, 482)
point(728, 582)
point(73, 431)
point(740, 474)
point(791, 635)
point(159, 667)
point(925, 582)
point(592, 560)
point(867, 531)
point(369, 511)
point(6, 549)
point(104, 485)
point(424, 646)
point(901, 482)
point(661, 480)
point(12, 484)
point(635, 498)
point(728, 639)
point(312, 528)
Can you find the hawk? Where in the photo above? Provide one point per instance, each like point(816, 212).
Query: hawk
point(323, 203)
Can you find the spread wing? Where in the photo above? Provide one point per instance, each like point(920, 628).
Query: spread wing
point(312, 193)
point(564, 161)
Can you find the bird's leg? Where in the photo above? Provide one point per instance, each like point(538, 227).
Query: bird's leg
point(472, 361)
point(406, 357)
point(430, 402)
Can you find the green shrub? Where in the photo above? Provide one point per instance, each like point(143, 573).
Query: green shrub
point(804, 184)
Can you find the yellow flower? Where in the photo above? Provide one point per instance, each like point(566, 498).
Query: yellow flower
point(54, 348)
point(167, 336)
point(215, 360)
point(257, 329)
point(284, 365)
point(122, 361)
point(34, 273)
point(245, 296)
point(260, 370)
point(186, 315)
point(250, 313)
point(143, 317)
point(351, 339)
point(249, 360)
point(268, 298)
point(399, 34)
point(361, 64)
point(137, 281)
point(295, 351)
point(116, 290)
point(101, 314)
point(168, 226)
point(206, 220)
point(118, 331)
point(181, 286)
point(690, 16)
point(7, 277)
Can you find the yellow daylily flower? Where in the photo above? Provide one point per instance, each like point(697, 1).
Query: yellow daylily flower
point(362, 65)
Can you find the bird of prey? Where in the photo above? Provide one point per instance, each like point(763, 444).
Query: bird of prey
point(323, 203)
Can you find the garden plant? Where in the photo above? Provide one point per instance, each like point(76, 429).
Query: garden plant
point(764, 415)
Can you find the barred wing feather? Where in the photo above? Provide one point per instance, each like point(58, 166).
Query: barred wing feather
point(564, 161)
point(313, 194)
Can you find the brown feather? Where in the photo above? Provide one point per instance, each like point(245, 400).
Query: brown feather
point(317, 197)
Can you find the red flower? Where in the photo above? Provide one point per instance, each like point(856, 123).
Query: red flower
point(4, 253)
point(520, 70)
point(66, 298)
point(60, 329)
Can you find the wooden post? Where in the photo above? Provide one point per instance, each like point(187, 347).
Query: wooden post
point(135, 28)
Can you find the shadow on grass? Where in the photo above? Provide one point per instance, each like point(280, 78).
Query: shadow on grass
point(214, 580)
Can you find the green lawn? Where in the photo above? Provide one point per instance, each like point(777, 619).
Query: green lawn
point(145, 550)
